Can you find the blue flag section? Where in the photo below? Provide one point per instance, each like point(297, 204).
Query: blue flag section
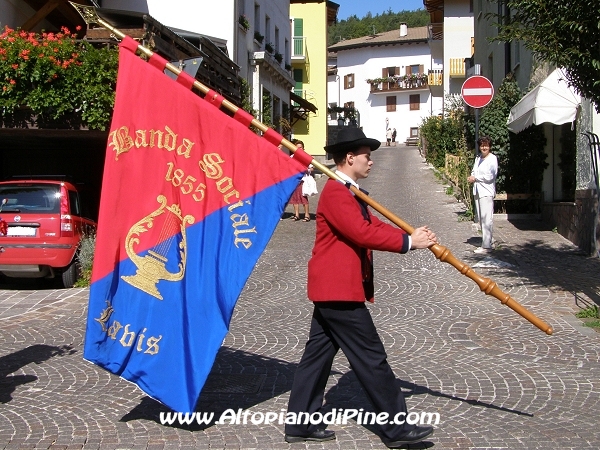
point(190, 199)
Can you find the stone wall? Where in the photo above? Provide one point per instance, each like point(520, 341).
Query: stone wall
point(578, 221)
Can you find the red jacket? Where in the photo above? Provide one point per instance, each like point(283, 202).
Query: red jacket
point(335, 270)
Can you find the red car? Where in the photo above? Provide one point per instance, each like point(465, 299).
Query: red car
point(41, 226)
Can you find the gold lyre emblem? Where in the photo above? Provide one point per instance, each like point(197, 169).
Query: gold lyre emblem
point(152, 267)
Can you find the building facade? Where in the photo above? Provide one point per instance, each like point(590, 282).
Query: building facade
point(310, 20)
point(574, 214)
point(451, 40)
point(384, 77)
point(256, 35)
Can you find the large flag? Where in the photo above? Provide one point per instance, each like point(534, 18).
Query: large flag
point(190, 198)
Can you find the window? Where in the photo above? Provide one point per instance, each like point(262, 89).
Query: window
point(298, 78)
point(267, 29)
point(256, 17)
point(414, 132)
point(298, 29)
point(390, 103)
point(276, 39)
point(415, 102)
point(390, 71)
point(349, 81)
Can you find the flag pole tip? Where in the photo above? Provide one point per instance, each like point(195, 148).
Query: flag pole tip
point(88, 13)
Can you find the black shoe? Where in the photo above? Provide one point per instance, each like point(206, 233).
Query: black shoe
point(412, 437)
point(318, 436)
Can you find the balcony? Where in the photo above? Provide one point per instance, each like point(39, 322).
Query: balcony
point(299, 48)
point(399, 83)
point(435, 77)
point(457, 68)
point(436, 31)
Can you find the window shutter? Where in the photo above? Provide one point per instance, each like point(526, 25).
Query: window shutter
point(408, 70)
point(298, 82)
point(415, 102)
point(421, 69)
point(298, 27)
point(390, 103)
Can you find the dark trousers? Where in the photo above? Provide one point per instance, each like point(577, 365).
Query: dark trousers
point(349, 326)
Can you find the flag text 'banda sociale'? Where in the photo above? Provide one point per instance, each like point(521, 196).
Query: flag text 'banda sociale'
point(190, 198)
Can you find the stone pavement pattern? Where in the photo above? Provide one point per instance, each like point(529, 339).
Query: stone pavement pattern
point(495, 379)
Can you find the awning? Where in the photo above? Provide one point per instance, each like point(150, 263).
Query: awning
point(552, 101)
point(300, 108)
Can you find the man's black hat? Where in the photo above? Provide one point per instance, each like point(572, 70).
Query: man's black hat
point(351, 138)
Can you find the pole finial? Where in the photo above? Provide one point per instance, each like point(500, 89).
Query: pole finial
point(88, 13)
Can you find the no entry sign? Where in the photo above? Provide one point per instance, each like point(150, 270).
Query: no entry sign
point(477, 91)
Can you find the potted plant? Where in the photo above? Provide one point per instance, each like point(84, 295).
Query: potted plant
point(279, 57)
point(258, 37)
point(288, 66)
point(269, 47)
point(244, 22)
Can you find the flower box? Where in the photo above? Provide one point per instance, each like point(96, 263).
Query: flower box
point(244, 22)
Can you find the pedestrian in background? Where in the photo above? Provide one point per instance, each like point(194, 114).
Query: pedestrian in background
point(388, 136)
point(483, 177)
point(394, 137)
point(297, 197)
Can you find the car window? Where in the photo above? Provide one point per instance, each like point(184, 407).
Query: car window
point(74, 202)
point(44, 198)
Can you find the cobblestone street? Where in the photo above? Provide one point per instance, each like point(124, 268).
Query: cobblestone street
point(495, 379)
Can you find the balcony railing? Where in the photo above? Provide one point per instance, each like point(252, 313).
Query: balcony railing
point(457, 67)
point(435, 77)
point(299, 47)
point(436, 31)
point(399, 83)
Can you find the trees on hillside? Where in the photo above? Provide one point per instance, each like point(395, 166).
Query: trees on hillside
point(353, 27)
point(565, 34)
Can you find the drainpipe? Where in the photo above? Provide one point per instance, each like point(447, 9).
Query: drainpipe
point(507, 55)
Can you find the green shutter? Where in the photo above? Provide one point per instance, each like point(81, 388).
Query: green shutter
point(298, 80)
point(298, 27)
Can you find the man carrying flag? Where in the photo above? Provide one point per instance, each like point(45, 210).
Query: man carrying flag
point(340, 279)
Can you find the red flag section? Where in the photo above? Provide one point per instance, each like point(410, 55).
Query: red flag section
point(190, 199)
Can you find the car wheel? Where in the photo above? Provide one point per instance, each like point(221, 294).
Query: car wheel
point(70, 275)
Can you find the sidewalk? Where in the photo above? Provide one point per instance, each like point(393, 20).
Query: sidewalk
point(495, 380)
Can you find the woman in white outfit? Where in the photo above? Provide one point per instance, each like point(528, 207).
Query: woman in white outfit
point(483, 177)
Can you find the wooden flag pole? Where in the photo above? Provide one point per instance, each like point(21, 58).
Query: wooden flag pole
point(442, 253)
